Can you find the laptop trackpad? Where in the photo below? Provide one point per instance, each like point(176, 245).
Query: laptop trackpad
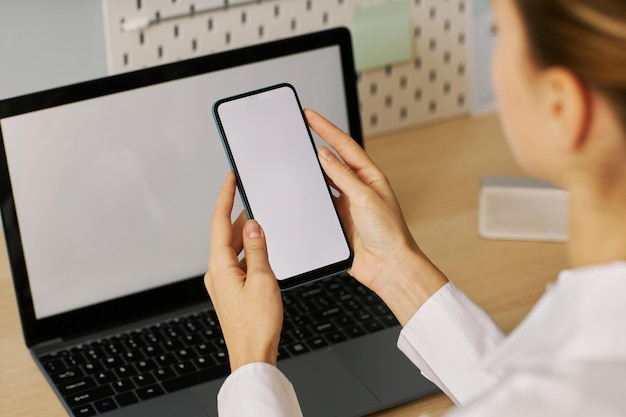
point(325, 387)
point(384, 369)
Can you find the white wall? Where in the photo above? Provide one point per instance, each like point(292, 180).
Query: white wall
point(44, 44)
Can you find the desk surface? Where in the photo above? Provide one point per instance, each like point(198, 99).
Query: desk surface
point(436, 172)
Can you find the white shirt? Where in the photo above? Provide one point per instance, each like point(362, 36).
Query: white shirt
point(567, 358)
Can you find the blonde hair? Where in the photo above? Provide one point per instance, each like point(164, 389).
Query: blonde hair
point(588, 37)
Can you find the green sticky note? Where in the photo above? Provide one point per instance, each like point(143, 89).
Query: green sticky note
point(382, 34)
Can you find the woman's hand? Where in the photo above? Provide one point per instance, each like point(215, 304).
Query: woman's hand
point(246, 297)
point(387, 259)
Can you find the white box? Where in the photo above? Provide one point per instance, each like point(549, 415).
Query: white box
point(519, 208)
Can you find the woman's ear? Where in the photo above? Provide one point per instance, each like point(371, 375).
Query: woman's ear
point(569, 109)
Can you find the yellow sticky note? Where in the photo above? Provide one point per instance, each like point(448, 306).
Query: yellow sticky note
point(382, 34)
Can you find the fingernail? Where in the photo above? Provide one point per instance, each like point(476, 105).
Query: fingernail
point(253, 230)
point(326, 153)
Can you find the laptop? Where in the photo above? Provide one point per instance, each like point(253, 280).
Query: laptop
point(107, 188)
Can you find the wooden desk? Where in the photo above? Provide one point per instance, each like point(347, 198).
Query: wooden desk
point(436, 172)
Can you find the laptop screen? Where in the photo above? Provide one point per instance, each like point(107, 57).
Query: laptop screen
point(113, 191)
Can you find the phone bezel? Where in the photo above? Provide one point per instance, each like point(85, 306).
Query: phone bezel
point(311, 275)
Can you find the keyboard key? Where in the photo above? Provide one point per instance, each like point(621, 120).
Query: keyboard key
point(89, 396)
point(192, 338)
point(202, 362)
point(190, 327)
point(77, 385)
point(172, 345)
point(154, 337)
point(344, 297)
point(354, 331)
point(335, 337)
point(380, 310)
point(54, 366)
point(185, 354)
point(125, 371)
point(134, 343)
point(152, 350)
point(112, 362)
point(143, 380)
point(362, 315)
point(297, 349)
point(123, 385)
point(195, 378)
point(221, 357)
point(84, 411)
point(210, 333)
point(344, 321)
point(93, 354)
point(205, 348)
point(301, 334)
point(183, 368)
point(126, 398)
point(324, 327)
point(211, 323)
point(371, 300)
point(352, 305)
point(92, 367)
point(112, 348)
point(301, 320)
point(68, 375)
point(104, 405)
point(104, 377)
point(148, 392)
point(75, 360)
point(328, 313)
point(312, 292)
point(165, 359)
point(290, 311)
point(316, 342)
point(132, 356)
point(389, 320)
point(303, 308)
point(164, 373)
point(323, 301)
point(373, 326)
point(173, 334)
point(145, 365)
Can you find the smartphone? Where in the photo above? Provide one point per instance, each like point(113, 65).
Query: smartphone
point(271, 150)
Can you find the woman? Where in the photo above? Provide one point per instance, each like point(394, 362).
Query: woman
point(560, 78)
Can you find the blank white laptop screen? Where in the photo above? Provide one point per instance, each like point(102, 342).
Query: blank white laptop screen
point(114, 194)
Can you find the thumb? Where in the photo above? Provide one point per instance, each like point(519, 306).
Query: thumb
point(255, 248)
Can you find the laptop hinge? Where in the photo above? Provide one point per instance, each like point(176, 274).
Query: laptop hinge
point(47, 346)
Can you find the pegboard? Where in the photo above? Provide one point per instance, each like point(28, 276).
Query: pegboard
point(432, 86)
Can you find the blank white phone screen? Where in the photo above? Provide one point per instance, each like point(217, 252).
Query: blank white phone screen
point(282, 180)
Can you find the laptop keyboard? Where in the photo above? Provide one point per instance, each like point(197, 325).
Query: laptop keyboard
point(134, 366)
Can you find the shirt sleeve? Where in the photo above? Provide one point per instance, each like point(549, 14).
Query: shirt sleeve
point(257, 390)
point(563, 389)
point(446, 338)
